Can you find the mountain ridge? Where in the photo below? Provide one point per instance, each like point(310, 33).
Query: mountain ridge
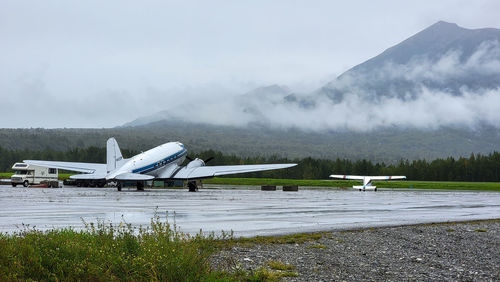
point(395, 71)
point(431, 95)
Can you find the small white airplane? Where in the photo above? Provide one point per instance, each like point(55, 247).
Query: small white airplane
point(367, 180)
point(160, 163)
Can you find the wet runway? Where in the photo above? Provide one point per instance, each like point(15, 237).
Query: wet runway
point(247, 211)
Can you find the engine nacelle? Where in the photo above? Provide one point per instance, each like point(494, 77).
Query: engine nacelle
point(195, 163)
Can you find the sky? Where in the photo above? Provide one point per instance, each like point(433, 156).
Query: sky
point(97, 64)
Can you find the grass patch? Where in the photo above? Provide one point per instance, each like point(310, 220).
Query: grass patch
point(445, 185)
point(317, 246)
point(286, 239)
point(278, 182)
point(61, 176)
point(264, 274)
point(6, 174)
point(448, 185)
point(278, 265)
point(103, 252)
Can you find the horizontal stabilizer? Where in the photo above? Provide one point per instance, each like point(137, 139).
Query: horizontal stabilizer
point(88, 176)
point(72, 166)
point(133, 177)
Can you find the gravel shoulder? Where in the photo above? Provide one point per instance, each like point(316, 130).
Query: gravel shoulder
point(460, 251)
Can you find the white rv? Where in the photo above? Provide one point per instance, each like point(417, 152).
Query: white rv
point(28, 174)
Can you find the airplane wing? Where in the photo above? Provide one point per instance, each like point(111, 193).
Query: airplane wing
point(212, 171)
point(133, 177)
point(387, 177)
point(356, 177)
point(72, 166)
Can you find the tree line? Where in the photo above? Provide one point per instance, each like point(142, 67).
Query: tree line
point(477, 167)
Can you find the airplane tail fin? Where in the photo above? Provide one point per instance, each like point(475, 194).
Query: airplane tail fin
point(114, 158)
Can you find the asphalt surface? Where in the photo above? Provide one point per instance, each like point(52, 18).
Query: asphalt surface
point(246, 211)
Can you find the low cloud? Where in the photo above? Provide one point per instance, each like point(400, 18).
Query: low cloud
point(443, 91)
point(431, 110)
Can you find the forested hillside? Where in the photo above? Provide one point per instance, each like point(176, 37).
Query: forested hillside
point(389, 146)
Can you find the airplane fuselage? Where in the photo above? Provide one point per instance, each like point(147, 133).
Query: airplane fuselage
point(155, 161)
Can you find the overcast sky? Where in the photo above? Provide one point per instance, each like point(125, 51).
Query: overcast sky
point(104, 63)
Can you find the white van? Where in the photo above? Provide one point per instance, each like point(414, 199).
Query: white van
point(27, 174)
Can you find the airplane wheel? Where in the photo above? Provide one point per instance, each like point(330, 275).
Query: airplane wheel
point(26, 183)
point(192, 186)
point(140, 186)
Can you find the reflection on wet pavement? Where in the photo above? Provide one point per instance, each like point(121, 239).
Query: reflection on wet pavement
point(246, 211)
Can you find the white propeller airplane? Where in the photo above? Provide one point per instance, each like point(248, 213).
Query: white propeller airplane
point(160, 163)
point(367, 180)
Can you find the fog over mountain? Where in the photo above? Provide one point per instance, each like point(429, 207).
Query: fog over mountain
point(443, 76)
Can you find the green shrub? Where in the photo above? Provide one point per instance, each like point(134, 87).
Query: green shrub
point(105, 252)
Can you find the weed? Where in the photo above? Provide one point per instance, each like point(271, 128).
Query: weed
point(264, 274)
point(286, 239)
point(317, 246)
point(277, 265)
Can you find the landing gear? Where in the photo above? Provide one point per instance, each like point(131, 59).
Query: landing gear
point(140, 185)
point(192, 186)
